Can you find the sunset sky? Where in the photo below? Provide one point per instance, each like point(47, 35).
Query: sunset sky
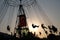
point(46, 12)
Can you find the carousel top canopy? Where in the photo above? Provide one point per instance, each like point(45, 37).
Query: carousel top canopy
point(21, 2)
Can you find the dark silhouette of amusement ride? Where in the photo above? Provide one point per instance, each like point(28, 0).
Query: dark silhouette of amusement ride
point(29, 36)
point(21, 30)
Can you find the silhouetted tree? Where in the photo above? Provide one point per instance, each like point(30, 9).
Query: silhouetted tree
point(51, 37)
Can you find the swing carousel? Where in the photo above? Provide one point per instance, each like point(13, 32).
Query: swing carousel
point(21, 17)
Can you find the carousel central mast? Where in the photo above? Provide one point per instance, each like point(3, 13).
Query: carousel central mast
point(22, 23)
point(22, 16)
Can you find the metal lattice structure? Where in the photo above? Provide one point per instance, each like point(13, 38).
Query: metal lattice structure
point(23, 2)
point(23, 7)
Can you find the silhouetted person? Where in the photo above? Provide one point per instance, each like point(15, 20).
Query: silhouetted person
point(14, 34)
point(40, 33)
point(46, 32)
point(11, 34)
point(8, 28)
point(54, 29)
point(23, 34)
point(42, 25)
point(59, 33)
point(34, 33)
point(50, 29)
point(34, 26)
